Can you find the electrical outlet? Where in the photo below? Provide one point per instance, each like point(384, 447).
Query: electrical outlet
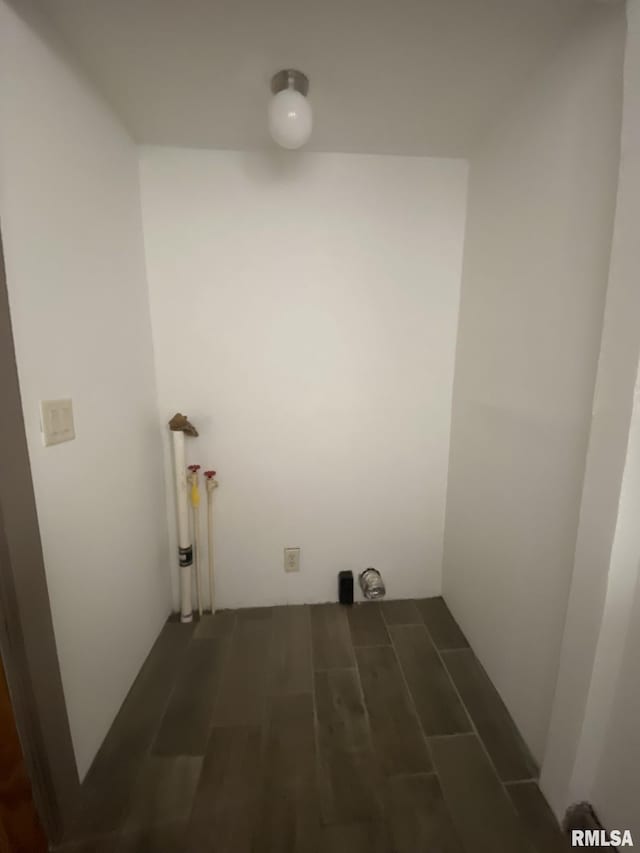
point(292, 559)
point(56, 420)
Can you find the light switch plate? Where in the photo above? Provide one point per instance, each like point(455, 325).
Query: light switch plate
point(56, 421)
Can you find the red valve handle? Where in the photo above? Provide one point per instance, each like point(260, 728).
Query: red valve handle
point(209, 474)
point(194, 468)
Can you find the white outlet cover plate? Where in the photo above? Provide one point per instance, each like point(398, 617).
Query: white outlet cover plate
point(56, 420)
point(292, 559)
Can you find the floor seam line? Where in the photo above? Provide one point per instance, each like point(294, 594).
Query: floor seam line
point(473, 724)
point(381, 776)
point(413, 703)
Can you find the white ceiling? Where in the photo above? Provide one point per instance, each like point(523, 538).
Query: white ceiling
point(387, 76)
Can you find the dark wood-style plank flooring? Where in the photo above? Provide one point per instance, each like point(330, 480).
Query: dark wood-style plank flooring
point(314, 729)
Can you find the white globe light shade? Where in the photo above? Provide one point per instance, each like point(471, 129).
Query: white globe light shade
point(290, 118)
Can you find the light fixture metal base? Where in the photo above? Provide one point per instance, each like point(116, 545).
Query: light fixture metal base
point(299, 81)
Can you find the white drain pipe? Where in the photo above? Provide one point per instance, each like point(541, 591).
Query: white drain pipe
point(179, 425)
point(185, 551)
point(212, 484)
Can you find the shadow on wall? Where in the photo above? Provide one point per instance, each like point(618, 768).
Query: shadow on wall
point(273, 165)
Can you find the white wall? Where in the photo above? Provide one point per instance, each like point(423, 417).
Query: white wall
point(617, 779)
point(607, 770)
point(541, 201)
point(615, 782)
point(593, 749)
point(71, 228)
point(304, 314)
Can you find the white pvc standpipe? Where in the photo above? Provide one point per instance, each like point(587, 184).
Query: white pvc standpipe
point(185, 552)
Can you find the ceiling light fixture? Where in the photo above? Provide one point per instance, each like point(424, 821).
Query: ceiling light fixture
point(290, 116)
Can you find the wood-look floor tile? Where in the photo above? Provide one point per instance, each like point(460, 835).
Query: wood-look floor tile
point(254, 613)
point(367, 625)
point(418, 816)
point(490, 716)
point(482, 813)
point(356, 838)
point(402, 612)
point(108, 843)
point(107, 788)
point(288, 826)
point(437, 703)
point(288, 813)
point(187, 722)
point(224, 806)
point(220, 624)
point(330, 637)
point(164, 790)
point(239, 687)
point(162, 838)
point(153, 685)
point(291, 666)
point(349, 775)
point(397, 737)
point(290, 747)
point(244, 683)
point(538, 819)
point(103, 807)
point(442, 627)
